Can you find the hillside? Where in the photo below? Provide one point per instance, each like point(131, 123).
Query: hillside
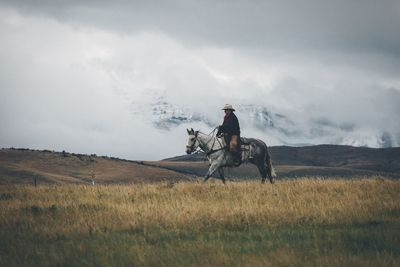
point(385, 160)
point(24, 165)
point(374, 159)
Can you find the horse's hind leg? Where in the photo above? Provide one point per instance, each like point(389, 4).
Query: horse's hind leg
point(263, 172)
point(270, 169)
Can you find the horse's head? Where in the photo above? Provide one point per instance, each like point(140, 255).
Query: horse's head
point(192, 142)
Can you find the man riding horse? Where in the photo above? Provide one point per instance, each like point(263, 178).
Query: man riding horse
point(222, 155)
point(230, 129)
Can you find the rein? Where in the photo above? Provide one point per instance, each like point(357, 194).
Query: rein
point(211, 151)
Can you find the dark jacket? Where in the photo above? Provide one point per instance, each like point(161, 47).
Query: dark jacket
point(230, 126)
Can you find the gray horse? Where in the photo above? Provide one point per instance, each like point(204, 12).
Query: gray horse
point(253, 150)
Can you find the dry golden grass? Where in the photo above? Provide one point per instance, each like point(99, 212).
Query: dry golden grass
point(297, 222)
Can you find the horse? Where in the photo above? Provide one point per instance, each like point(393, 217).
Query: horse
point(252, 150)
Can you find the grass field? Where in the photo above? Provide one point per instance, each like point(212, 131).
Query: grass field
point(290, 223)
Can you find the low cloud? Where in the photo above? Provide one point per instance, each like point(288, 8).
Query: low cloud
point(73, 79)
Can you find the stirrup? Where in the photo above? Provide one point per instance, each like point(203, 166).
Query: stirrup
point(237, 163)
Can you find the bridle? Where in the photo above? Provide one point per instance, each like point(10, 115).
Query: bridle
point(192, 147)
point(202, 147)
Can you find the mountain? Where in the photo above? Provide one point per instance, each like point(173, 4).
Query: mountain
point(166, 115)
point(277, 126)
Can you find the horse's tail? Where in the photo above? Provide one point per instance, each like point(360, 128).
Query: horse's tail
point(269, 165)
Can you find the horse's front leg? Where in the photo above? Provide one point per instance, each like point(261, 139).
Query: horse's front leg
point(221, 174)
point(214, 166)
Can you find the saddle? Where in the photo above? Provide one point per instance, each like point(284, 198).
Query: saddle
point(247, 148)
point(245, 141)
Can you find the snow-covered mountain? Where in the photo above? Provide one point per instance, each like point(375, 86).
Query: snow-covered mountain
point(166, 115)
point(277, 127)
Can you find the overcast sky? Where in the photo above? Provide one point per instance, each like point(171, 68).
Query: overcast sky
point(73, 72)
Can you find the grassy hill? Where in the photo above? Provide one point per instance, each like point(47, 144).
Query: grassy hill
point(364, 158)
point(24, 166)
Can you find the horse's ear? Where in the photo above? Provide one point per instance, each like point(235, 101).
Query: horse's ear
point(192, 131)
point(188, 131)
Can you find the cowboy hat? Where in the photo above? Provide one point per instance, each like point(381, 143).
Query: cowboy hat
point(228, 106)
